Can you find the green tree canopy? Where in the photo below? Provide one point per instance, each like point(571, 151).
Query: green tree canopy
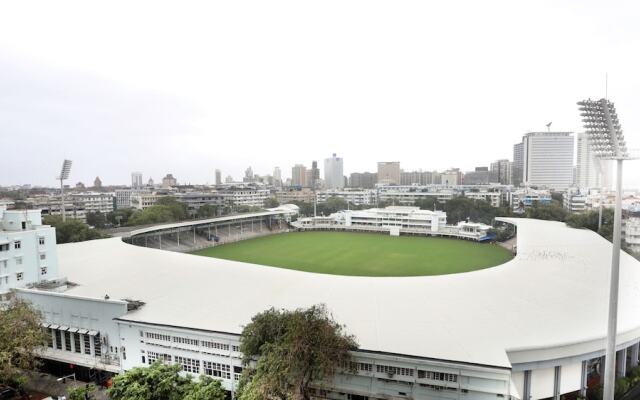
point(551, 212)
point(96, 219)
point(271, 202)
point(207, 211)
point(163, 382)
point(71, 230)
point(21, 339)
point(290, 349)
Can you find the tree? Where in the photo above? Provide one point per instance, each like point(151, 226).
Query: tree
point(96, 219)
point(163, 382)
point(589, 220)
point(271, 202)
point(72, 230)
point(551, 212)
point(207, 211)
point(21, 339)
point(427, 203)
point(291, 348)
point(120, 216)
point(81, 392)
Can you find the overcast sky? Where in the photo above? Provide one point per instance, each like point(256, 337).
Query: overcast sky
point(187, 88)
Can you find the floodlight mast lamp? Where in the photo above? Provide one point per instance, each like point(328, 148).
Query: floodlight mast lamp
point(64, 174)
point(607, 141)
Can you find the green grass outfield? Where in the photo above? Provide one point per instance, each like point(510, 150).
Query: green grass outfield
point(363, 254)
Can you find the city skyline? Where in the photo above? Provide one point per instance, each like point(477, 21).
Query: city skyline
point(73, 96)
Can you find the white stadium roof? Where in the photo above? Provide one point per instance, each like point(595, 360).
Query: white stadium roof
point(549, 302)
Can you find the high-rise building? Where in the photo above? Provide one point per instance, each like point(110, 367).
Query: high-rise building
point(277, 177)
point(313, 180)
point(218, 177)
point(136, 180)
point(364, 180)
point(517, 168)
point(452, 177)
point(299, 175)
point(248, 175)
point(478, 177)
point(389, 173)
point(501, 172)
point(97, 183)
point(333, 173)
point(591, 172)
point(169, 181)
point(548, 159)
point(416, 178)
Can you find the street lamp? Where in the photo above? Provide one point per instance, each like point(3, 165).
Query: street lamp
point(602, 126)
point(64, 174)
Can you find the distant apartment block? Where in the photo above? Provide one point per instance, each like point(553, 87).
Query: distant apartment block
point(363, 180)
point(333, 172)
point(136, 180)
point(357, 197)
point(299, 175)
point(517, 169)
point(548, 159)
point(389, 173)
point(94, 201)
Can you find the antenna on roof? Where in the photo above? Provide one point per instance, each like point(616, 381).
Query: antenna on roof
point(549, 126)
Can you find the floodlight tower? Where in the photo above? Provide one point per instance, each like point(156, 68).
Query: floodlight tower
point(605, 136)
point(64, 175)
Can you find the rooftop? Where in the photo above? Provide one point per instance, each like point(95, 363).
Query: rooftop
point(550, 301)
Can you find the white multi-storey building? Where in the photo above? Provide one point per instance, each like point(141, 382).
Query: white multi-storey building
point(493, 198)
point(246, 196)
point(94, 201)
point(123, 196)
point(50, 205)
point(333, 174)
point(27, 250)
point(522, 199)
point(548, 159)
point(142, 201)
point(396, 220)
point(358, 197)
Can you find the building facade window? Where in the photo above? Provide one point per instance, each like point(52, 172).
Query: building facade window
point(58, 336)
point(97, 350)
point(43, 270)
point(217, 369)
point(41, 240)
point(157, 336)
point(188, 364)
point(87, 344)
point(17, 244)
point(67, 341)
point(50, 337)
point(76, 342)
point(4, 247)
point(43, 256)
point(152, 357)
point(18, 260)
point(19, 276)
point(184, 340)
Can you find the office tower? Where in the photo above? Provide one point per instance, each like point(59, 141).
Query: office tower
point(389, 173)
point(277, 177)
point(218, 177)
point(333, 175)
point(136, 180)
point(501, 172)
point(452, 177)
point(548, 159)
point(299, 175)
point(517, 168)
